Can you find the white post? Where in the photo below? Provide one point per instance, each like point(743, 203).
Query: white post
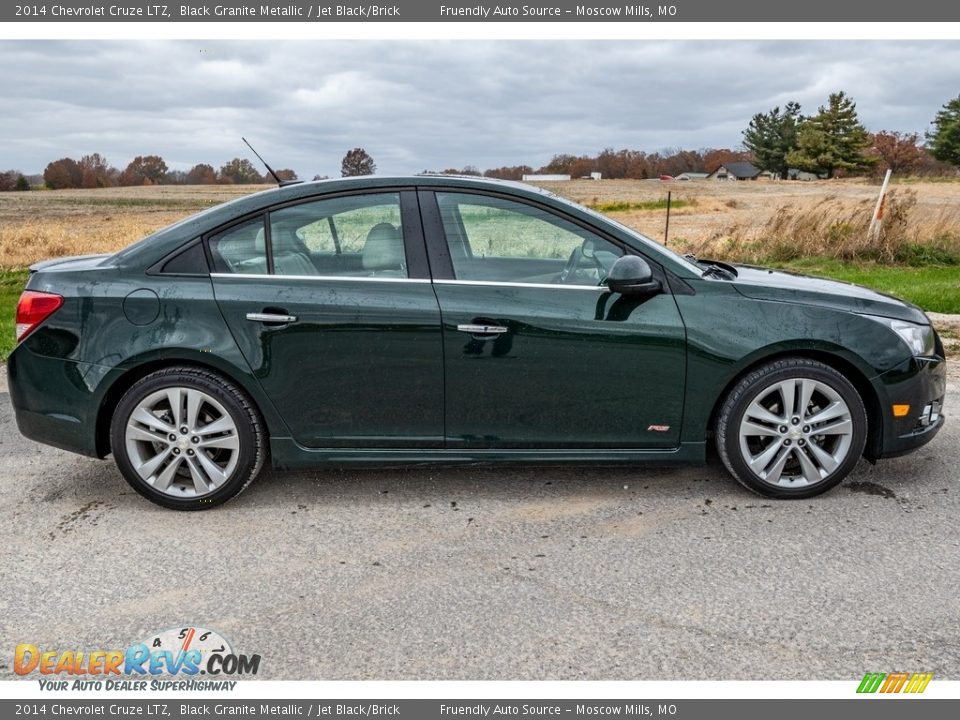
point(877, 221)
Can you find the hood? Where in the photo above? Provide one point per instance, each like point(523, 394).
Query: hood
point(783, 286)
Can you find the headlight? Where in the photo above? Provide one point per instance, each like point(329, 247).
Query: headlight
point(919, 338)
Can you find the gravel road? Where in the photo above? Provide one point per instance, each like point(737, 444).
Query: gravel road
point(497, 573)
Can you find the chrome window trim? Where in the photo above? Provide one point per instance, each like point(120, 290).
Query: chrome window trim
point(544, 286)
point(360, 278)
point(337, 278)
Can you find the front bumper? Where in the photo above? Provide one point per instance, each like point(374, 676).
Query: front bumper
point(921, 383)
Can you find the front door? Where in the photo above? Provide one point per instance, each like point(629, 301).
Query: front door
point(331, 304)
point(538, 354)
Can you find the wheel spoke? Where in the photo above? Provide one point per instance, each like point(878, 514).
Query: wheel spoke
point(836, 409)
point(756, 429)
point(135, 432)
point(196, 474)
point(220, 425)
point(145, 417)
point(788, 390)
point(806, 392)
point(162, 483)
point(759, 412)
point(843, 427)
point(760, 461)
point(147, 468)
point(194, 402)
point(810, 471)
point(175, 398)
point(227, 442)
point(827, 461)
point(214, 472)
point(776, 470)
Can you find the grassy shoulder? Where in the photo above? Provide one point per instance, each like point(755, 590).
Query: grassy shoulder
point(11, 285)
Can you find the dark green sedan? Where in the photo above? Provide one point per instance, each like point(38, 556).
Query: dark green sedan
point(442, 319)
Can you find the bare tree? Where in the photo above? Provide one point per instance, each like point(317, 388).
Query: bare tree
point(357, 162)
point(144, 170)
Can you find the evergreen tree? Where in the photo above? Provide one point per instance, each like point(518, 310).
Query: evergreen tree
point(833, 139)
point(772, 136)
point(944, 139)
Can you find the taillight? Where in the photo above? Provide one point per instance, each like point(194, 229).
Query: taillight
point(35, 307)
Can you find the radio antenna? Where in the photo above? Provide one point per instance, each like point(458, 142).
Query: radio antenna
point(280, 182)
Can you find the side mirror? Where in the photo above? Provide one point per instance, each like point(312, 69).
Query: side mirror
point(631, 275)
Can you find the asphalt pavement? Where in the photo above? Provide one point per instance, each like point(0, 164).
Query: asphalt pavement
point(497, 572)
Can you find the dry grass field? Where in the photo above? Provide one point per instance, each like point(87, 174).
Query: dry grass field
point(764, 220)
point(40, 225)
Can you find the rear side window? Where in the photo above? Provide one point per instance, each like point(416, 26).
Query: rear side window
point(352, 236)
point(240, 249)
point(191, 261)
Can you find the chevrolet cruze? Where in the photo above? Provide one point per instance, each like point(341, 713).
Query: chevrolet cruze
point(443, 319)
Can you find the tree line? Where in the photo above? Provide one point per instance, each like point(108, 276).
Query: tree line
point(93, 171)
point(830, 143)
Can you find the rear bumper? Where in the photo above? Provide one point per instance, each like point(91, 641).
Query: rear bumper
point(56, 401)
point(920, 383)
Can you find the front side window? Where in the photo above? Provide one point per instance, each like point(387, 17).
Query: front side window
point(354, 236)
point(493, 239)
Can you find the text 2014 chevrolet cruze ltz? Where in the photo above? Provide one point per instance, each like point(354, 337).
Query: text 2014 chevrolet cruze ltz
point(441, 319)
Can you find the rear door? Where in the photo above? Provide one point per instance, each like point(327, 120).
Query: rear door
point(539, 354)
point(331, 304)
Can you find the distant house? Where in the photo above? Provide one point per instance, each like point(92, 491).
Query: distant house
point(692, 176)
point(797, 174)
point(735, 171)
point(545, 178)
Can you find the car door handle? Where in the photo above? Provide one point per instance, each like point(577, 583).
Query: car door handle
point(482, 329)
point(271, 318)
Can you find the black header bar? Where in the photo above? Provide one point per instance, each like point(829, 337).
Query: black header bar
point(304, 11)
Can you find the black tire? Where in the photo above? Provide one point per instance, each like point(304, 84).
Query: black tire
point(248, 425)
point(755, 386)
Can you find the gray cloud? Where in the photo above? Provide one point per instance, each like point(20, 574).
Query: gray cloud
point(430, 105)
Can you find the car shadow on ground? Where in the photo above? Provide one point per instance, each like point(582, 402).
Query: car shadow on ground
point(98, 482)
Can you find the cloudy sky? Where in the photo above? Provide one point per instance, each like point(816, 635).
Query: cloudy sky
point(431, 105)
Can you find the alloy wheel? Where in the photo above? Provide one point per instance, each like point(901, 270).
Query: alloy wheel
point(182, 442)
point(795, 433)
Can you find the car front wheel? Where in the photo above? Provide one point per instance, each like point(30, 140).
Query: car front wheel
point(793, 428)
point(187, 439)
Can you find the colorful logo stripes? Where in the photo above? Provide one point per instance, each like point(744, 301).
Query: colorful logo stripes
point(894, 682)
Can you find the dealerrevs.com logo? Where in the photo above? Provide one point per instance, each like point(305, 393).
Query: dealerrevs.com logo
point(186, 651)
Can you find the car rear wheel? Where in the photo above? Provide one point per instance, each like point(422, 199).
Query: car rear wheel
point(793, 428)
point(187, 439)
